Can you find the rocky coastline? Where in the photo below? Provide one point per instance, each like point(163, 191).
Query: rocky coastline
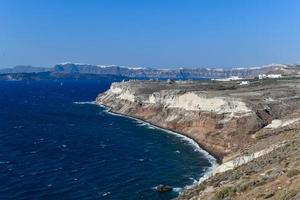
point(218, 160)
point(239, 125)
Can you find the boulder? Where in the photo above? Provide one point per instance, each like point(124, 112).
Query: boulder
point(164, 188)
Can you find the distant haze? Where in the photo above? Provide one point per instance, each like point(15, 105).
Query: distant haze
point(170, 33)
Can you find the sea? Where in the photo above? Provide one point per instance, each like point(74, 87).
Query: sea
point(56, 143)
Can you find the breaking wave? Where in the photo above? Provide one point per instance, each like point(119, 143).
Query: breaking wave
point(208, 172)
point(84, 102)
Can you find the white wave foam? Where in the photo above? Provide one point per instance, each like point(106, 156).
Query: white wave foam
point(85, 102)
point(141, 124)
point(208, 171)
point(105, 194)
point(150, 127)
point(174, 189)
point(4, 162)
point(177, 189)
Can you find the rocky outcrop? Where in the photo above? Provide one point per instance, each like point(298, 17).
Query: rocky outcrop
point(164, 188)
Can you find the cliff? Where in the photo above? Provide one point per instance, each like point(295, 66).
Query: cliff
point(237, 124)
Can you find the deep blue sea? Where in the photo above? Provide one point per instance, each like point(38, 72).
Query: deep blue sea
point(53, 148)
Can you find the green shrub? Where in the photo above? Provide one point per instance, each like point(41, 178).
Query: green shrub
point(225, 192)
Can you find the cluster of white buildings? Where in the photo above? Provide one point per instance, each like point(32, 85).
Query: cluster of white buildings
point(244, 82)
point(232, 78)
point(263, 76)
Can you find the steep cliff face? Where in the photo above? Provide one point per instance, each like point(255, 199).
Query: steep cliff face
point(217, 122)
point(252, 129)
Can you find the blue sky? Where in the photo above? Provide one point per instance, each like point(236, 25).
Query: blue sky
point(150, 33)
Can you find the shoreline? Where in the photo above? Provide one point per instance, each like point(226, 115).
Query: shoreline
point(214, 161)
point(215, 157)
point(260, 150)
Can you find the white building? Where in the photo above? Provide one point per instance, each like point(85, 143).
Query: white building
point(244, 83)
point(232, 78)
point(262, 76)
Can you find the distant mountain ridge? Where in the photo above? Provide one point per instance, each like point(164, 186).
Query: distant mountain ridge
point(24, 69)
point(173, 73)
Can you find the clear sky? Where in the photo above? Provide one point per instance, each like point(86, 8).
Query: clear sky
point(150, 33)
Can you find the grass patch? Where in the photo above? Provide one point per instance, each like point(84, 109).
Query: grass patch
point(293, 172)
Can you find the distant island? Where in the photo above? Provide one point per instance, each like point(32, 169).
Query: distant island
point(87, 71)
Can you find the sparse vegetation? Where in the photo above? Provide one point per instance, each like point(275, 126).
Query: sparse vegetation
point(242, 187)
point(225, 192)
point(293, 172)
point(268, 195)
point(286, 194)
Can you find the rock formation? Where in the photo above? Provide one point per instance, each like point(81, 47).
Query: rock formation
point(238, 124)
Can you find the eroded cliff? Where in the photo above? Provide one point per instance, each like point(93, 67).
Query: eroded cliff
point(237, 124)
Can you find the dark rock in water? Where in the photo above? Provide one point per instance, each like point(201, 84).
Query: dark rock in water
point(164, 188)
